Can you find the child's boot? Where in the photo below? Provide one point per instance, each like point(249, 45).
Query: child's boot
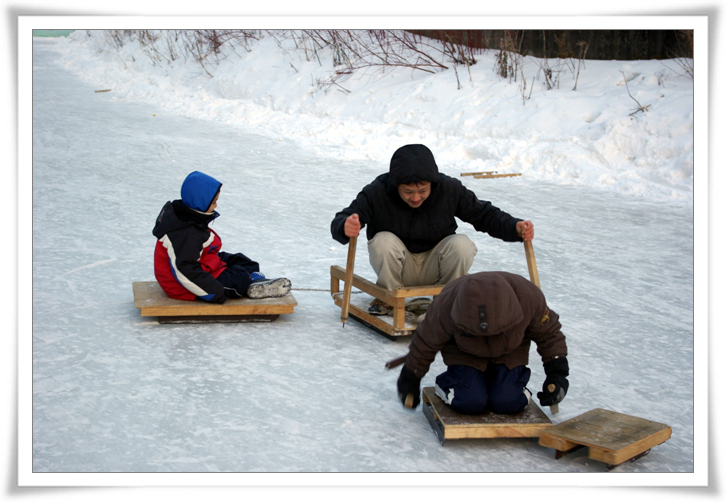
point(268, 288)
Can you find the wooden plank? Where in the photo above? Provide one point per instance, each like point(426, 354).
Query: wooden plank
point(334, 283)
point(359, 309)
point(386, 295)
point(206, 319)
point(559, 444)
point(480, 176)
point(530, 422)
point(377, 330)
point(610, 436)
point(433, 419)
point(364, 285)
point(152, 301)
point(399, 313)
point(413, 291)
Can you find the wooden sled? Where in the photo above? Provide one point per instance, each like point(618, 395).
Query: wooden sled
point(152, 301)
point(389, 326)
point(613, 438)
point(448, 424)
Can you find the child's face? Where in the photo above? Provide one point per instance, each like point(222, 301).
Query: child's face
point(416, 193)
point(213, 205)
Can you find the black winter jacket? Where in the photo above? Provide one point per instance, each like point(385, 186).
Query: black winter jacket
point(186, 258)
point(380, 207)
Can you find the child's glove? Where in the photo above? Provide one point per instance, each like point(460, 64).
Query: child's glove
point(409, 388)
point(557, 371)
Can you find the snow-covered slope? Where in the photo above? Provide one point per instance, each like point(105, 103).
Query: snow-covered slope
point(592, 136)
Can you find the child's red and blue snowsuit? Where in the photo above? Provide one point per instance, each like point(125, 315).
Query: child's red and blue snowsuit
point(188, 263)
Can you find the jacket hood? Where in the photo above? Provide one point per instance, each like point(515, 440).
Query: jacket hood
point(486, 305)
point(412, 164)
point(198, 191)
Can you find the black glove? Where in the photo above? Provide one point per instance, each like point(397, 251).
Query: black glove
point(409, 384)
point(557, 371)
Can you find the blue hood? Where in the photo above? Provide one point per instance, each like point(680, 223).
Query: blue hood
point(198, 191)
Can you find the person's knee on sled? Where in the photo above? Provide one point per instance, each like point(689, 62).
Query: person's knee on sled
point(472, 392)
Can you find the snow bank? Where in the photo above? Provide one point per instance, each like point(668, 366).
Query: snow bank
point(592, 136)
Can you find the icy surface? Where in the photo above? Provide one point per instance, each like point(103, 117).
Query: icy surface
point(114, 392)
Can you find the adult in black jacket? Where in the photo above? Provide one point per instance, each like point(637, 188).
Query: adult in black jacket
point(411, 228)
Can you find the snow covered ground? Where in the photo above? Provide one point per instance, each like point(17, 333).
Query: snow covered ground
point(611, 196)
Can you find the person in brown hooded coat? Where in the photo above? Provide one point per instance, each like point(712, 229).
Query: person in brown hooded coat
point(483, 325)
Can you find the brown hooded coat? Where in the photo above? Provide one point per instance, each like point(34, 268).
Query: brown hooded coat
point(486, 317)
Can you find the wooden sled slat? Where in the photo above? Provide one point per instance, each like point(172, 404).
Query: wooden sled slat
point(394, 325)
point(373, 289)
point(217, 319)
point(611, 437)
point(449, 424)
point(151, 300)
point(383, 324)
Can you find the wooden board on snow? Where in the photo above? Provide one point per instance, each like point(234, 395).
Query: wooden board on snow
point(152, 301)
point(610, 437)
point(511, 175)
point(449, 424)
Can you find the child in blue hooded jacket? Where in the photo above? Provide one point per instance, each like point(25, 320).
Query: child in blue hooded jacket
point(188, 261)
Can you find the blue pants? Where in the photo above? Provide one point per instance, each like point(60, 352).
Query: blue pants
point(472, 392)
point(236, 277)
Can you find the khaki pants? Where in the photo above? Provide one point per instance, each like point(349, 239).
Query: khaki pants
point(396, 267)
